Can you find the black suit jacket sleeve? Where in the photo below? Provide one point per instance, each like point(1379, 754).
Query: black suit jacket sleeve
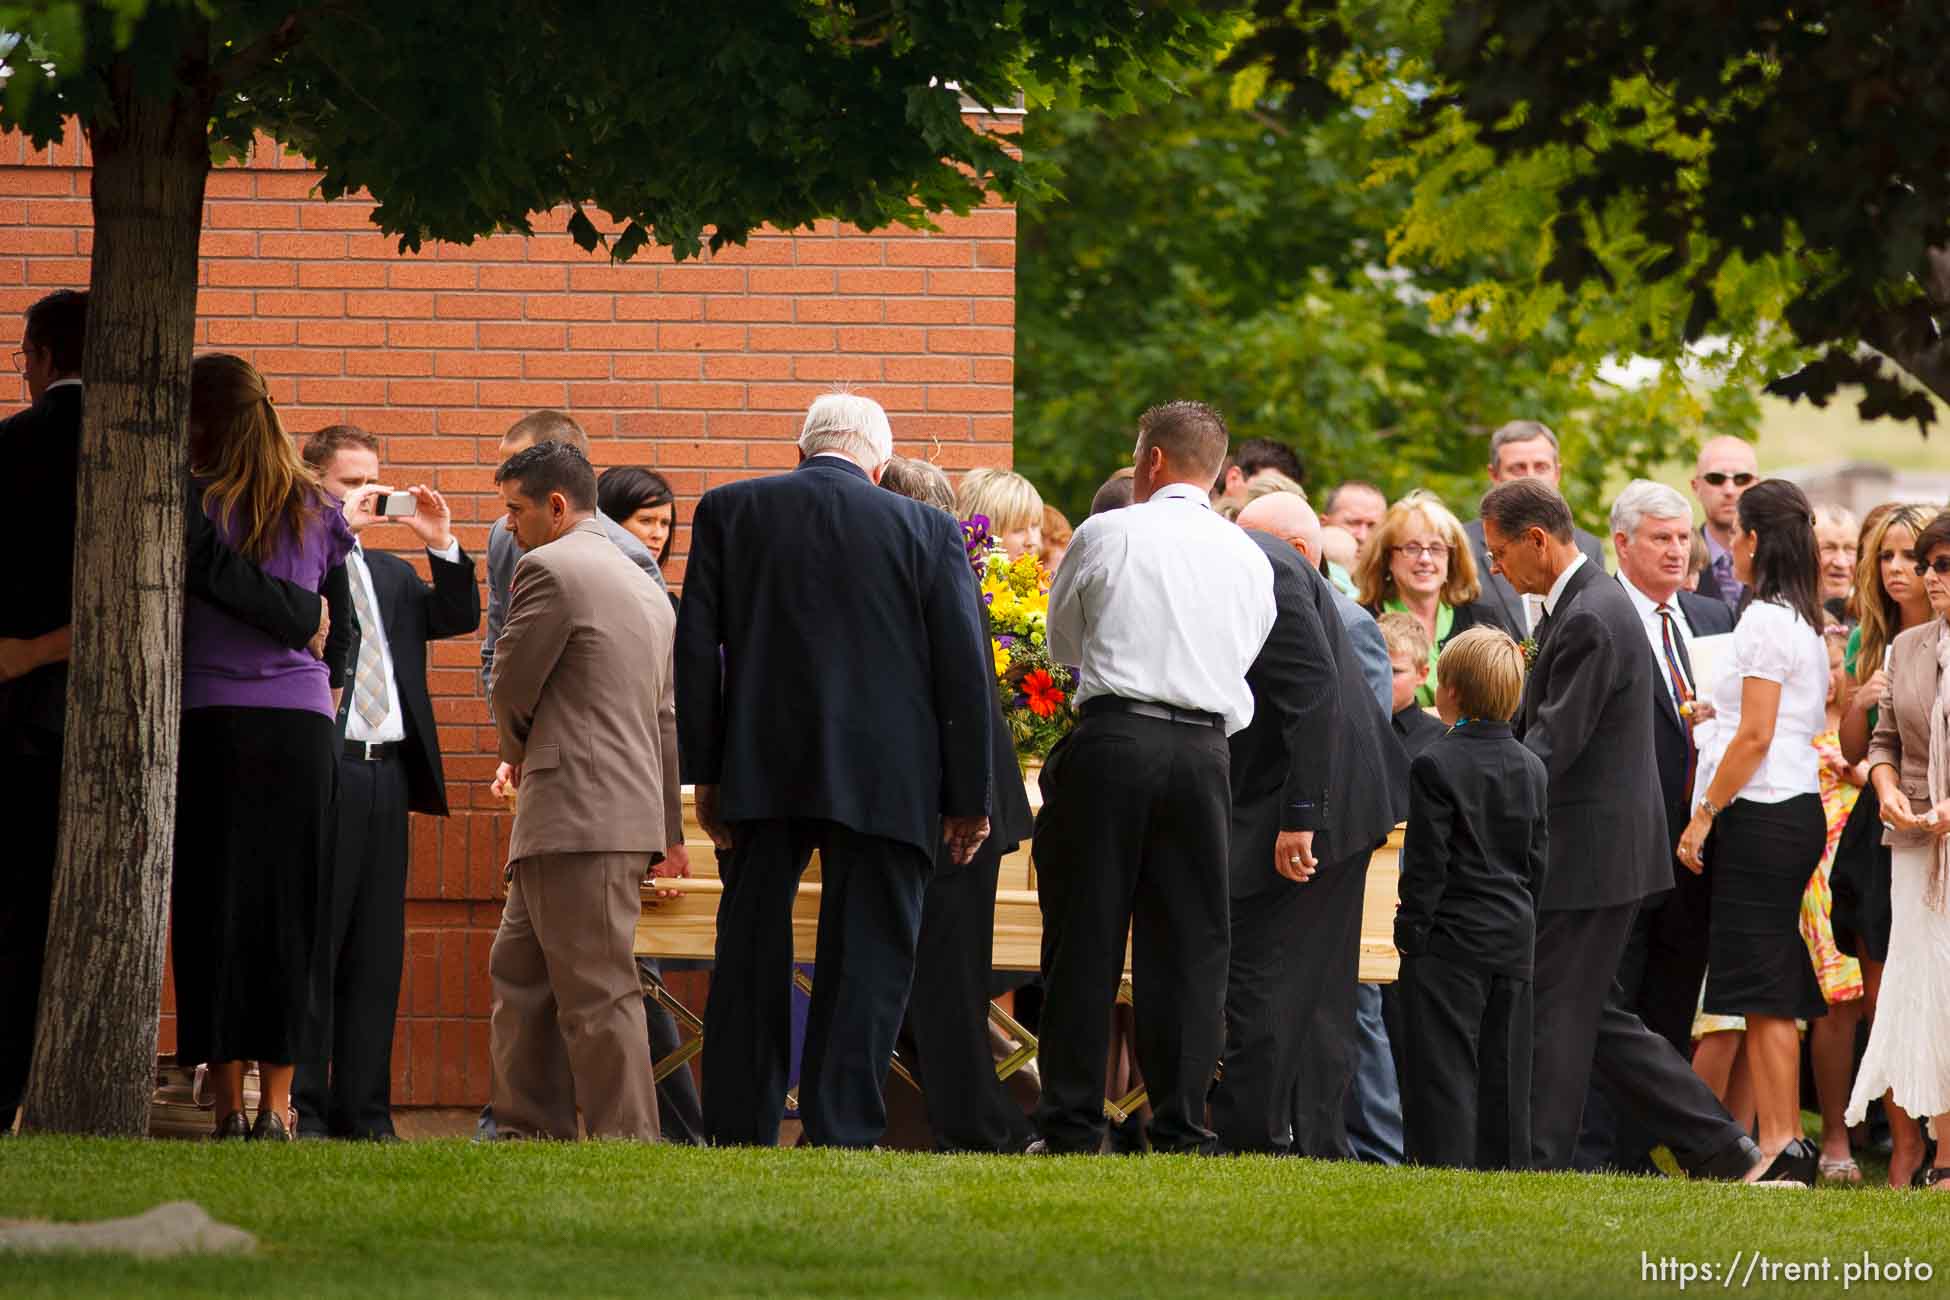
point(453, 600)
point(697, 650)
point(1537, 865)
point(345, 625)
point(1585, 670)
point(1295, 678)
point(1425, 854)
point(963, 686)
point(212, 571)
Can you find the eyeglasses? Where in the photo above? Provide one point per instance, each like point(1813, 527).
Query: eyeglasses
point(1718, 479)
point(1940, 566)
point(1415, 550)
point(20, 361)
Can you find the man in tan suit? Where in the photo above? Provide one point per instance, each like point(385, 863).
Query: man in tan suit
point(583, 699)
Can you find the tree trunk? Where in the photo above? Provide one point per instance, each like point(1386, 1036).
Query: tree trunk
point(95, 1047)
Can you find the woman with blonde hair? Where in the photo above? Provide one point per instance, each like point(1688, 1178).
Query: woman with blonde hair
point(1011, 504)
point(1417, 561)
point(257, 773)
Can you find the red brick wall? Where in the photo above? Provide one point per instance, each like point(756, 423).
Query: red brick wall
point(698, 369)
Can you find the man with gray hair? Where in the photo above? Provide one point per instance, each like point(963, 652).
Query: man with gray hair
point(1522, 449)
point(834, 693)
point(1665, 958)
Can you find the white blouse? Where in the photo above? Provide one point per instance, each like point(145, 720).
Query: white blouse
point(1775, 644)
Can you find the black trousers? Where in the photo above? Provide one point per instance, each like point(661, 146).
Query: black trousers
point(33, 785)
point(1290, 1004)
point(1659, 978)
point(1582, 1030)
point(869, 917)
point(356, 980)
point(1132, 840)
point(948, 1011)
point(1466, 1097)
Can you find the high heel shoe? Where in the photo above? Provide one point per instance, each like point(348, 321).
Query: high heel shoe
point(234, 1125)
point(1797, 1163)
point(269, 1127)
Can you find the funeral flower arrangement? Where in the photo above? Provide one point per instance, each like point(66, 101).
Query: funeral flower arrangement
point(1035, 689)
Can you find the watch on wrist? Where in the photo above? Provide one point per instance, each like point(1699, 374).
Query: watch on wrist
point(1711, 809)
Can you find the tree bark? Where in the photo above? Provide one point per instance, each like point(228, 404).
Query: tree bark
point(95, 1046)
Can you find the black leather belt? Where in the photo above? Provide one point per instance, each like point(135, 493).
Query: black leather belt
point(371, 751)
point(1147, 709)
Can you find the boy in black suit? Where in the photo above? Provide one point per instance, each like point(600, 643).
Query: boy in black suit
point(1472, 863)
point(1408, 655)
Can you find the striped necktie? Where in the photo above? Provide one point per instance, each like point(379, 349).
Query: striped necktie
point(1682, 687)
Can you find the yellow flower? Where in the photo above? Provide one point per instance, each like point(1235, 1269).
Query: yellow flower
point(1001, 659)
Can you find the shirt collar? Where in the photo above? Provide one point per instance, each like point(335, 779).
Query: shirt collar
point(1644, 604)
point(1563, 580)
point(62, 383)
point(1714, 551)
point(1183, 492)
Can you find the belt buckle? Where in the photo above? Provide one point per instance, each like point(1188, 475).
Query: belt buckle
point(372, 750)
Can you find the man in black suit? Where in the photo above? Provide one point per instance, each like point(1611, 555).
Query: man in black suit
point(390, 766)
point(947, 1011)
point(1320, 759)
point(833, 693)
point(1521, 449)
point(41, 447)
point(1588, 713)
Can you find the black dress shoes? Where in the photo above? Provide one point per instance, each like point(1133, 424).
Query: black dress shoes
point(1796, 1164)
point(269, 1126)
point(1730, 1164)
point(233, 1125)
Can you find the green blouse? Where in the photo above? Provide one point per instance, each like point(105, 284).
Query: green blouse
point(1445, 619)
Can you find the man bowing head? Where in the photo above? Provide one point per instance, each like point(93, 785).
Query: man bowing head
point(582, 696)
point(835, 692)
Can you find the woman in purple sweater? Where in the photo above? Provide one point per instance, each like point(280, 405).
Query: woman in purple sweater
point(257, 778)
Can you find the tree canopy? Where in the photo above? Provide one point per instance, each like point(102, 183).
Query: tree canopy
point(1252, 242)
point(679, 126)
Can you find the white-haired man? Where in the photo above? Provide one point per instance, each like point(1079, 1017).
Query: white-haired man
point(834, 693)
point(1665, 958)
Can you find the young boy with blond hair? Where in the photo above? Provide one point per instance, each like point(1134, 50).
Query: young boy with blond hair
point(1472, 865)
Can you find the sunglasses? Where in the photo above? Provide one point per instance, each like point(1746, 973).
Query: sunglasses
point(1718, 479)
point(1940, 566)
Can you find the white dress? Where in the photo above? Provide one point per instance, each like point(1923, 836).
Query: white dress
point(1909, 1044)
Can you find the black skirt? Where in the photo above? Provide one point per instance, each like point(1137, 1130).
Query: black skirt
point(256, 796)
point(1860, 880)
point(1759, 858)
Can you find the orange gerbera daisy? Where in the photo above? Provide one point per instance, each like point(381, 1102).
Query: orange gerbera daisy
point(1044, 698)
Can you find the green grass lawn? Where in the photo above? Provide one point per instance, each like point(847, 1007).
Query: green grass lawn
point(458, 1218)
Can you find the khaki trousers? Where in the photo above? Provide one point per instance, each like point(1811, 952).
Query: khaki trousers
point(567, 1026)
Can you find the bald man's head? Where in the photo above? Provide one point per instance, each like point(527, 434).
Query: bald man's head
point(1726, 469)
point(1287, 517)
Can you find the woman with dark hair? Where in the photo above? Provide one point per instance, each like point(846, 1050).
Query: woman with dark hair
point(1909, 764)
point(641, 501)
point(257, 776)
point(1758, 821)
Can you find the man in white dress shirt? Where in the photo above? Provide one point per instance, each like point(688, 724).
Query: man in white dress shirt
point(390, 767)
point(1164, 606)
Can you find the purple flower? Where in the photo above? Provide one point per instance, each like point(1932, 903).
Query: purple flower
point(1005, 641)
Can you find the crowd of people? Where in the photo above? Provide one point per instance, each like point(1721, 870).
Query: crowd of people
point(1663, 826)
